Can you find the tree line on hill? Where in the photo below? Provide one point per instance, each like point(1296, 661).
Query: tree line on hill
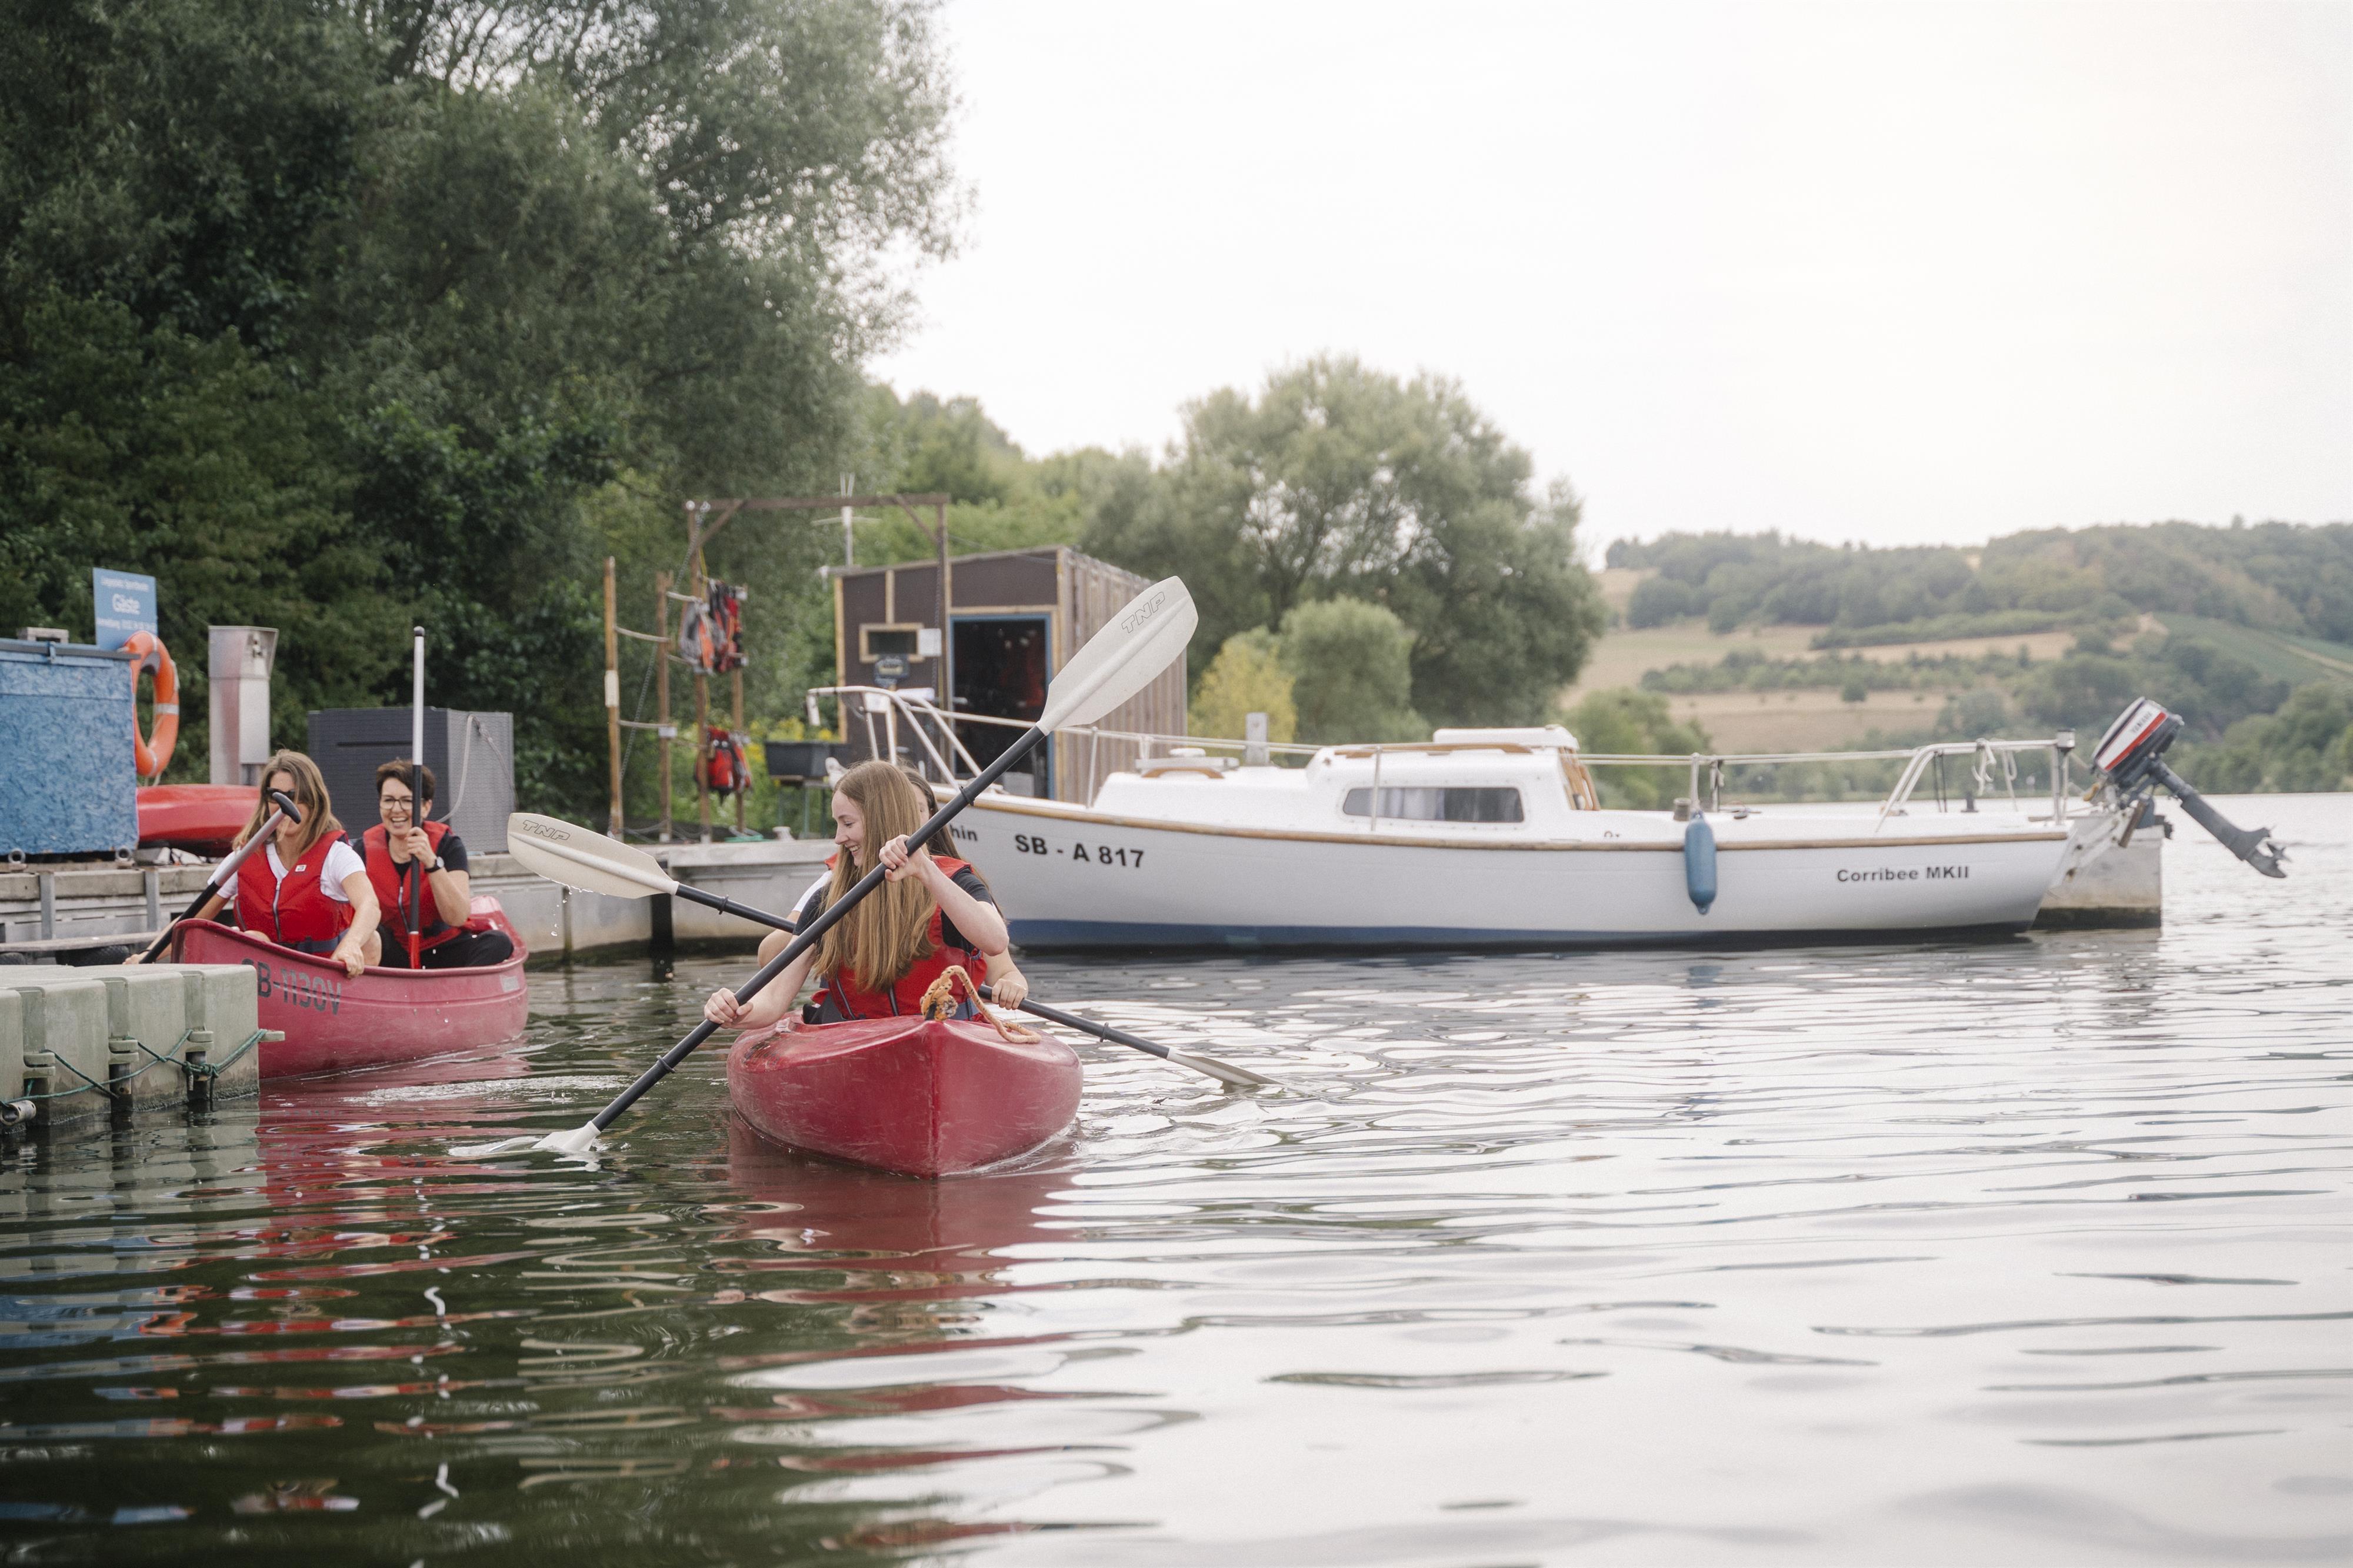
point(2274, 576)
point(2250, 725)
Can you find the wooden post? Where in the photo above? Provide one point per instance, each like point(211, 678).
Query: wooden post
point(701, 590)
point(743, 786)
point(701, 751)
point(667, 730)
point(612, 698)
point(947, 634)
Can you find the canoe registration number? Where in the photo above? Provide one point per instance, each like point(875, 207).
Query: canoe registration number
point(1092, 854)
point(299, 986)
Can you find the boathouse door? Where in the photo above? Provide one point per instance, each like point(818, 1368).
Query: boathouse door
point(1001, 665)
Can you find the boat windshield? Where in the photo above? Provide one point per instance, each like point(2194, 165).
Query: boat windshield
point(1438, 804)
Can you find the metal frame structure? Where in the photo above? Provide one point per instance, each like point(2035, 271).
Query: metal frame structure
point(937, 750)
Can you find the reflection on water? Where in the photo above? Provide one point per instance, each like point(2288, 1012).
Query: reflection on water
point(2030, 1251)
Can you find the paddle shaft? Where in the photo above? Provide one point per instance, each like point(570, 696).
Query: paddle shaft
point(730, 907)
point(1087, 1026)
point(220, 879)
point(416, 801)
point(825, 922)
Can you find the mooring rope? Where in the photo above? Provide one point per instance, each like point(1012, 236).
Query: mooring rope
point(940, 1000)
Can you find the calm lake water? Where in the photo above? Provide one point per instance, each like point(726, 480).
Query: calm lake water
point(2034, 1251)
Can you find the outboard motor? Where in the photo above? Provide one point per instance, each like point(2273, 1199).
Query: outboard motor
point(2131, 756)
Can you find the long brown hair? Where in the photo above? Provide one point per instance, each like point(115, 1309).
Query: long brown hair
point(878, 940)
point(310, 793)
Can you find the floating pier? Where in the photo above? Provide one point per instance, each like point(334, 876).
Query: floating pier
point(79, 914)
point(79, 1047)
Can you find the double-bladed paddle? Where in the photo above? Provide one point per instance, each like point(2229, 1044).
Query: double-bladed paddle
point(1118, 662)
point(285, 810)
point(564, 852)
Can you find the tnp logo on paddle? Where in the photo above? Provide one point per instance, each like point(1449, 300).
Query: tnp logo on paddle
point(1137, 616)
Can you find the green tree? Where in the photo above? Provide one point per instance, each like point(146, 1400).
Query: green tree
point(1351, 674)
point(1246, 676)
point(2308, 745)
point(1627, 723)
point(1339, 480)
point(336, 317)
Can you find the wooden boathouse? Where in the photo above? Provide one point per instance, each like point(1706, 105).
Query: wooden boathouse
point(1015, 617)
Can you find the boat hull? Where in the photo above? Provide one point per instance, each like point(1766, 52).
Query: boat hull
point(333, 1022)
point(1073, 879)
point(204, 819)
point(910, 1095)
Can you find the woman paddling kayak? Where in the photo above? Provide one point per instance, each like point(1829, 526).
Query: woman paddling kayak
point(308, 890)
point(931, 914)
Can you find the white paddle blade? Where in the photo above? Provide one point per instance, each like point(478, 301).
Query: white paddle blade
point(484, 1151)
point(575, 1141)
point(1224, 1072)
point(564, 852)
point(1143, 638)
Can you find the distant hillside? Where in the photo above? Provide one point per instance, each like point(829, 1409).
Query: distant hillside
point(2288, 578)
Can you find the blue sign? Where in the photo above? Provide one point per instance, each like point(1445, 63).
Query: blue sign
point(125, 602)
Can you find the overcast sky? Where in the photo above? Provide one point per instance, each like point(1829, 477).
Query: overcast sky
point(1888, 272)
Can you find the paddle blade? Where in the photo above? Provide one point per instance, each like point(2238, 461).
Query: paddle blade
point(1224, 1072)
point(484, 1151)
point(574, 1140)
point(1143, 638)
point(566, 853)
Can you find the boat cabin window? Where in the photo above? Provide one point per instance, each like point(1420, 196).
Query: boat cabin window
point(1438, 805)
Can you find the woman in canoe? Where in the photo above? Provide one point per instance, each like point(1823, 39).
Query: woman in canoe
point(307, 890)
point(407, 837)
point(931, 914)
point(1007, 986)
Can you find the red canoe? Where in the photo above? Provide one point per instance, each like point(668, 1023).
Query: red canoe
point(921, 1098)
point(200, 818)
point(333, 1021)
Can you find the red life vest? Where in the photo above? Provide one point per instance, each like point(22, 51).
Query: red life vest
point(841, 998)
point(294, 910)
point(390, 879)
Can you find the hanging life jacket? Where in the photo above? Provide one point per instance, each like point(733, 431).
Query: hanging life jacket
point(389, 878)
point(721, 768)
point(293, 910)
point(723, 618)
point(841, 1000)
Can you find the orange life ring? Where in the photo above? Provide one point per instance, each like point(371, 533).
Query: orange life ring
point(153, 755)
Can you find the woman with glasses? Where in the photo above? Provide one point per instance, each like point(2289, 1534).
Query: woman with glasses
point(438, 903)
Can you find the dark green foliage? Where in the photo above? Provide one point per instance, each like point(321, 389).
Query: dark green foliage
point(2211, 690)
point(2306, 745)
point(1634, 724)
point(1351, 671)
point(2274, 575)
point(1338, 480)
point(339, 318)
point(188, 458)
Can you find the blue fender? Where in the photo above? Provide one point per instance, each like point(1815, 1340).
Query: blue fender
point(1699, 862)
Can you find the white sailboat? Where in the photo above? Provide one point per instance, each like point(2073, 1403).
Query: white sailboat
point(1481, 838)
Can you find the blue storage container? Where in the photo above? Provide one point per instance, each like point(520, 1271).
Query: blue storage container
point(67, 782)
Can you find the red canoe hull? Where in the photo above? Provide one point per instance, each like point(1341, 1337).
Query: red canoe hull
point(203, 819)
point(333, 1022)
point(919, 1097)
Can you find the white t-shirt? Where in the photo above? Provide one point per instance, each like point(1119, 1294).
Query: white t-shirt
point(342, 861)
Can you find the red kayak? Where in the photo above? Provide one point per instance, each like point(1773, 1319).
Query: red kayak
point(333, 1022)
point(919, 1097)
point(203, 819)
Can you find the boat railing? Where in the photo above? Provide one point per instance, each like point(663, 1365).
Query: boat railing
point(939, 751)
